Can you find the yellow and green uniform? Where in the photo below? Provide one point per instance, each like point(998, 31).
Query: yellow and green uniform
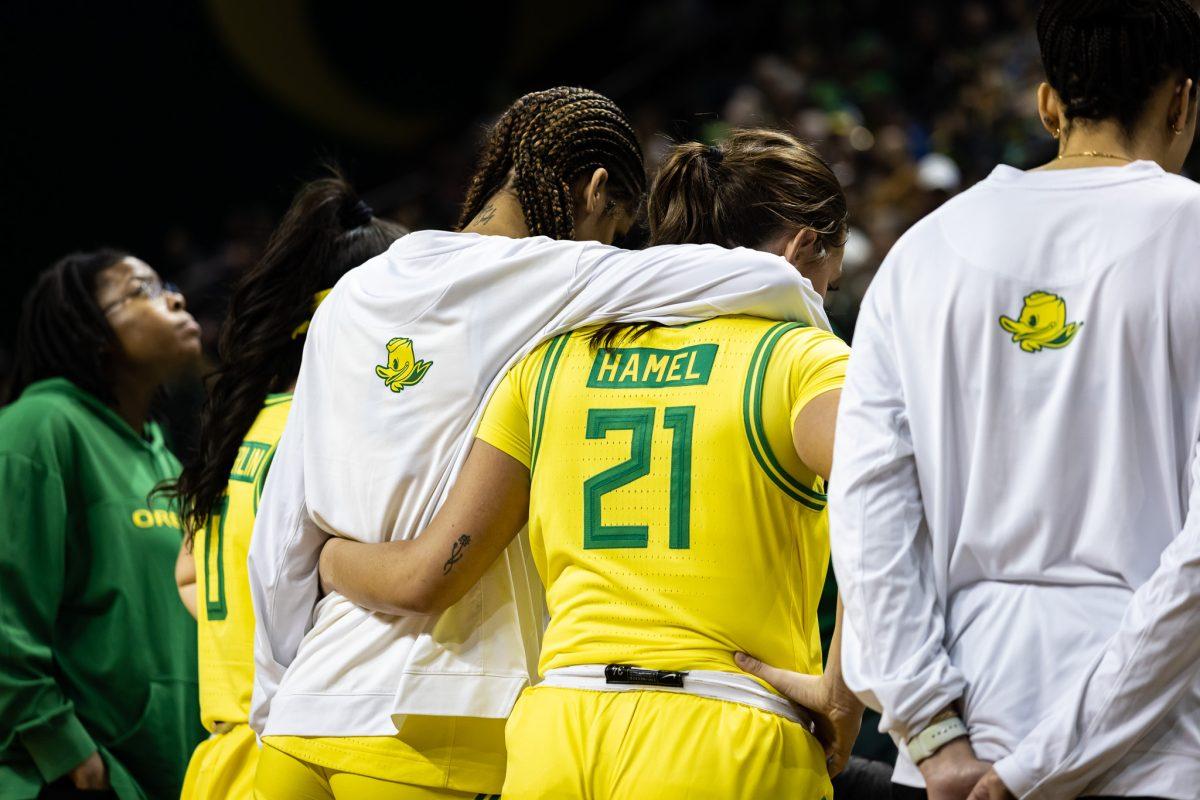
point(672, 525)
point(224, 765)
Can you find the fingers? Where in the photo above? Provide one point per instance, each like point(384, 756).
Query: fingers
point(837, 761)
point(801, 689)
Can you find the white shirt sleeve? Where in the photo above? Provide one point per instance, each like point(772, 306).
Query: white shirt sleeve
point(282, 565)
point(681, 283)
point(896, 661)
point(1148, 664)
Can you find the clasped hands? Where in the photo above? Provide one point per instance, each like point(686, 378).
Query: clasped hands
point(952, 773)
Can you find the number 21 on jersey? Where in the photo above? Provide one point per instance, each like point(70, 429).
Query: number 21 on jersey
point(640, 423)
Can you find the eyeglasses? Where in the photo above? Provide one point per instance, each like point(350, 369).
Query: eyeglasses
point(147, 289)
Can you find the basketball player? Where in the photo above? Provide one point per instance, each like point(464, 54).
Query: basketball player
point(672, 479)
point(397, 363)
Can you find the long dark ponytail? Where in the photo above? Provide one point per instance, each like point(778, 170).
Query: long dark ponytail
point(326, 232)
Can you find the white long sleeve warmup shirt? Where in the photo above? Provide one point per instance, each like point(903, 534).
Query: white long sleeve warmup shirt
point(1015, 457)
point(398, 363)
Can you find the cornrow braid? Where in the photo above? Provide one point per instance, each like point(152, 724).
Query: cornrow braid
point(546, 141)
point(1105, 57)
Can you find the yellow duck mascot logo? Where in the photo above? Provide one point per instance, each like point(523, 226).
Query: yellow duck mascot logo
point(402, 368)
point(1043, 323)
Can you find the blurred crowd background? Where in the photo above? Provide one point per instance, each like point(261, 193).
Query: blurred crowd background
point(910, 102)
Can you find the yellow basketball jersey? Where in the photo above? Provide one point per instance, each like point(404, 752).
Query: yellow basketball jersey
point(671, 521)
point(225, 621)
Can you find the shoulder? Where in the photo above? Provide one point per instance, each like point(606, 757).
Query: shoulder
point(806, 340)
point(41, 428)
point(808, 351)
point(1177, 192)
point(271, 419)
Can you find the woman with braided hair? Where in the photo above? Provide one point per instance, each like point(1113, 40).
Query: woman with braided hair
point(398, 362)
point(669, 531)
point(1015, 498)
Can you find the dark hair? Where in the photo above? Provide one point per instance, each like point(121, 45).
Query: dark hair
point(63, 332)
point(1105, 57)
point(326, 232)
point(755, 185)
point(547, 140)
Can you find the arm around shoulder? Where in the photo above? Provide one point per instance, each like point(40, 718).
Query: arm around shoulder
point(679, 283)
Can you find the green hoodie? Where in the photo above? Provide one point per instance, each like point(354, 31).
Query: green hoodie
point(96, 649)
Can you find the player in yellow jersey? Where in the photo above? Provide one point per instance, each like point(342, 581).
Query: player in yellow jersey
point(672, 479)
point(326, 232)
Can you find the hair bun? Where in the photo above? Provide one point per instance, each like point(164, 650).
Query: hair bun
point(356, 214)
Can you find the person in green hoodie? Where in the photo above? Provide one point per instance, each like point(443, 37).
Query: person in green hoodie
point(97, 654)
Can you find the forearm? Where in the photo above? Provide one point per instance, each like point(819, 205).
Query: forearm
point(674, 283)
point(485, 509)
point(833, 667)
point(391, 578)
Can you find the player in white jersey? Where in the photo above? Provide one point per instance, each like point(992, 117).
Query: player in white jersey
point(1014, 502)
point(397, 364)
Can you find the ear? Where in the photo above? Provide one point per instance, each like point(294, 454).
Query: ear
point(595, 194)
point(1049, 109)
point(1182, 108)
point(801, 248)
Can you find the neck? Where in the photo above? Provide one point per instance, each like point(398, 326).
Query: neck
point(133, 396)
point(501, 215)
point(1108, 145)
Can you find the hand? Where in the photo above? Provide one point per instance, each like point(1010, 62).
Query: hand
point(836, 711)
point(91, 775)
point(952, 772)
point(990, 787)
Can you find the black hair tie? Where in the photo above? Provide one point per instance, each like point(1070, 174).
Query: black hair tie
point(714, 154)
point(358, 215)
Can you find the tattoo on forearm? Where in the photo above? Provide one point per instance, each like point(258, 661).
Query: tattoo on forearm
point(456, 553)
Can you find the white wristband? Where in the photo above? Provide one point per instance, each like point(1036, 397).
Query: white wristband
point(933, 738)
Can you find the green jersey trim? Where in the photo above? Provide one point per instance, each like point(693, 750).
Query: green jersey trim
point(752, 417)
point(541, 394)
point(261, 480)
point(276, 399)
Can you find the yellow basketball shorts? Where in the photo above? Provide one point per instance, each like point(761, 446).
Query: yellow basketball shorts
point(285, 777)
point(565, 744)
point(223, 766)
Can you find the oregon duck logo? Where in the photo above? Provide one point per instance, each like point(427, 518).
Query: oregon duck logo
point(1043, 323)
point(402, 368)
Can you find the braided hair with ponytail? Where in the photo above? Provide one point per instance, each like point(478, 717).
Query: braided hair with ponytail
point(326, 232)
point(545, 142)
point(1106, 57)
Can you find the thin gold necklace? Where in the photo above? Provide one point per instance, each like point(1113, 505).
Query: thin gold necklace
point(1094, 154)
